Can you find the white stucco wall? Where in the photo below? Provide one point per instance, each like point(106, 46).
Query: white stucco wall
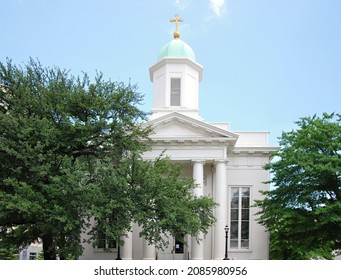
point(248, 171)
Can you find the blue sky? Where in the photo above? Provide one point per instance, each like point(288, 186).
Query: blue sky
point(266, 62)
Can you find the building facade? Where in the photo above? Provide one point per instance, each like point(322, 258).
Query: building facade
point(226, 165)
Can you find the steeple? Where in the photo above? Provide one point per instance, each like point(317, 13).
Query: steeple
point(175, 77)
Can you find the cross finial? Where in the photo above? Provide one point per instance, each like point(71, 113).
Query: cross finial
point(176, 20)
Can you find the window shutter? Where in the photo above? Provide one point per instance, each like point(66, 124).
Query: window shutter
point(175, 92)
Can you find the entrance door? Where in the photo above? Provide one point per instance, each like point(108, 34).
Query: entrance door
point(174, 251)
point(179, 249)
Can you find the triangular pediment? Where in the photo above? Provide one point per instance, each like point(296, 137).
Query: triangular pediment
point(178, 127)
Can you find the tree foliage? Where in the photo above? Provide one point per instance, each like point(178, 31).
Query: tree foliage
point(156, 198)
point(70, 149)
point(8, 251)
point(303, 211)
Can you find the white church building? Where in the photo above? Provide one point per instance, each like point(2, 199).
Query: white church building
point(227, 166)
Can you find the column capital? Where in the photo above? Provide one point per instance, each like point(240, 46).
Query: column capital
point(198, 161)
point(222, 160)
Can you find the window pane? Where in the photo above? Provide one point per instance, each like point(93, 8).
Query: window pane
point(234, 192)
point(233, 243)
point(245, 202)
point(234, 230)
point(245, 191)
point(234, 214)
point(234, 202)
point(245, 230)
point(245, 243)
point(245, 214)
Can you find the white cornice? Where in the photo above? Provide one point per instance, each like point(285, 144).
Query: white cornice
point(192, 141)
point(266, 151)
point(167, 60)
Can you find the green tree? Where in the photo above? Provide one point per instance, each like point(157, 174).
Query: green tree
point(169, 206)
point(8, 251)
point(303, 211)
point(157, 199)
point(8, 254)
point(68, 147)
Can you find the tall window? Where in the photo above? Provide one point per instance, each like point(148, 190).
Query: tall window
point(240, 218)
point(175, 91)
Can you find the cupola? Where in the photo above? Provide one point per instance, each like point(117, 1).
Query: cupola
point(175, 77)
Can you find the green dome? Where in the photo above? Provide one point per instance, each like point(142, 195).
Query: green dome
point(176, 48)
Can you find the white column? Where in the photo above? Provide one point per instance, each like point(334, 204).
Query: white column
point(197, 250)
point(127, 247)
point(148, 251)
point(221, 197)
point(213, 196)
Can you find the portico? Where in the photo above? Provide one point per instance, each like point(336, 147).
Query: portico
point(205, 174)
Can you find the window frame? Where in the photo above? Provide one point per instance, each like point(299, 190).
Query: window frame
point(32, 256)
point(107, 244)
point(239, 219)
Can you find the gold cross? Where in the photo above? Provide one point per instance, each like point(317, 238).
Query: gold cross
point(176, 20)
